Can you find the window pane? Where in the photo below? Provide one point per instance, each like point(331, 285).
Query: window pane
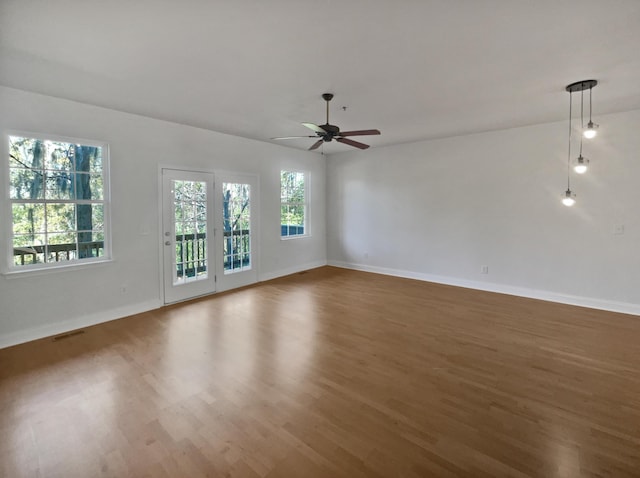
point(90, 248)
point(178, 216)
point(97, 187)
point(188, 227)
point(62, 238)
point(26, 152)
point(190, 217)
point(95, 162)
point(59, 185)
point(61, 217)
point(28, 218)
point(97, 217)
point(28, 240)
point(62, 247)
point(26, 184)
point(201, 211)
point(237, 226)
point(57, 156)
point(83, 186)
point(28, 249)
point(293, 207)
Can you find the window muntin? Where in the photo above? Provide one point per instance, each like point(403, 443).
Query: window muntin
point(293, 204)
point(58, 199)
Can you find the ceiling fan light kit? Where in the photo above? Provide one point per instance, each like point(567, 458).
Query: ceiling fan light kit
point(327, 132)
point(581, 164)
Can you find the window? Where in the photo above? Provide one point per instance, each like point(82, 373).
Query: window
point(58, 195)
point(293, 210)
point(190, 222)
point(236, 216)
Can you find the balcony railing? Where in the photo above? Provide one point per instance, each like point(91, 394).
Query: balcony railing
point(191, 251)
point(57, 252)
point(191, 256)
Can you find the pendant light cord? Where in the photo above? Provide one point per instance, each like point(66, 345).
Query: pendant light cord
point(582, 118)
point(569, 152)
point(590, 88)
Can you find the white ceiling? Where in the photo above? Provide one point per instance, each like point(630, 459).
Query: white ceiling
point(256, 68)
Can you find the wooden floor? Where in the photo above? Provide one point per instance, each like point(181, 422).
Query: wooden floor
point(330, 373)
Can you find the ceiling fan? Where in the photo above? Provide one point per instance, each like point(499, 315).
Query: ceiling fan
point(328, 132)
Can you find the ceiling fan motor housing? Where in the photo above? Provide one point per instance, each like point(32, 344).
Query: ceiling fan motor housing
point(331, 131)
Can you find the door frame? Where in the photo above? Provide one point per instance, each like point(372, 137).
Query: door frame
point(219, 176)
point(196, 290)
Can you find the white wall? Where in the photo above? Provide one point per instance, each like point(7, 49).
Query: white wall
point(38, 305)
point(439, 210)
point(434, 210)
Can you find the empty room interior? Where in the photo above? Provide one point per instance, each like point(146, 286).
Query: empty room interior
point(320, 239)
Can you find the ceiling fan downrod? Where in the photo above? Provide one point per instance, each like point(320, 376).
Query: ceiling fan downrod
point(327, 97)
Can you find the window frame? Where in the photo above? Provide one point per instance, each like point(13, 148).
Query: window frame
point(6, 228)
point(305, 204)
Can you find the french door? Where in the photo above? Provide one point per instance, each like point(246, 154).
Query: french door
point(236, 233)
point(188, 234)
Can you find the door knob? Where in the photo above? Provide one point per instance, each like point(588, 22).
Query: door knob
point(167, 243)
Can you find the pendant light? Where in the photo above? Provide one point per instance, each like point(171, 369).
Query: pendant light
point(591, 130)
point(569, 196)
point(581, 166)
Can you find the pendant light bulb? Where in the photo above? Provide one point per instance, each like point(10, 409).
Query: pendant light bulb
point(590, 131)
point(568, 198)
point(581, 166)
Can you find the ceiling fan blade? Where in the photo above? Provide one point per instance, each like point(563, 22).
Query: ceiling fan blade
point(314, 127)
point(362, 132)
point(316, 145)
point(292, 137)
point(352, 143)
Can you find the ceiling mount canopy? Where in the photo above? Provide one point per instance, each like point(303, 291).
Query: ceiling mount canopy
point(581, 85)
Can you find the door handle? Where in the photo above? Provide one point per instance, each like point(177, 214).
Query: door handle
point(167, 243)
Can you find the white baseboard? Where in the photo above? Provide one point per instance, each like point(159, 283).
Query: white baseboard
point(291, 270)
point(7, 340)
point(609, 305)
point(57, 328)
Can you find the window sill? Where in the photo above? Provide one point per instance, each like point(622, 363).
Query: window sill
point(15, 273)
point(298, 236)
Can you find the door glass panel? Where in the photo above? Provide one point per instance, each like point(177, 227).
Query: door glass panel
point(190, 224)
point(236, 218)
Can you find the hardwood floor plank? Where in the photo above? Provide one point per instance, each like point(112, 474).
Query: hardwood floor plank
point(330, 373)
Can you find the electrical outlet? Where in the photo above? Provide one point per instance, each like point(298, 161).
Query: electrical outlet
point(484, 269)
